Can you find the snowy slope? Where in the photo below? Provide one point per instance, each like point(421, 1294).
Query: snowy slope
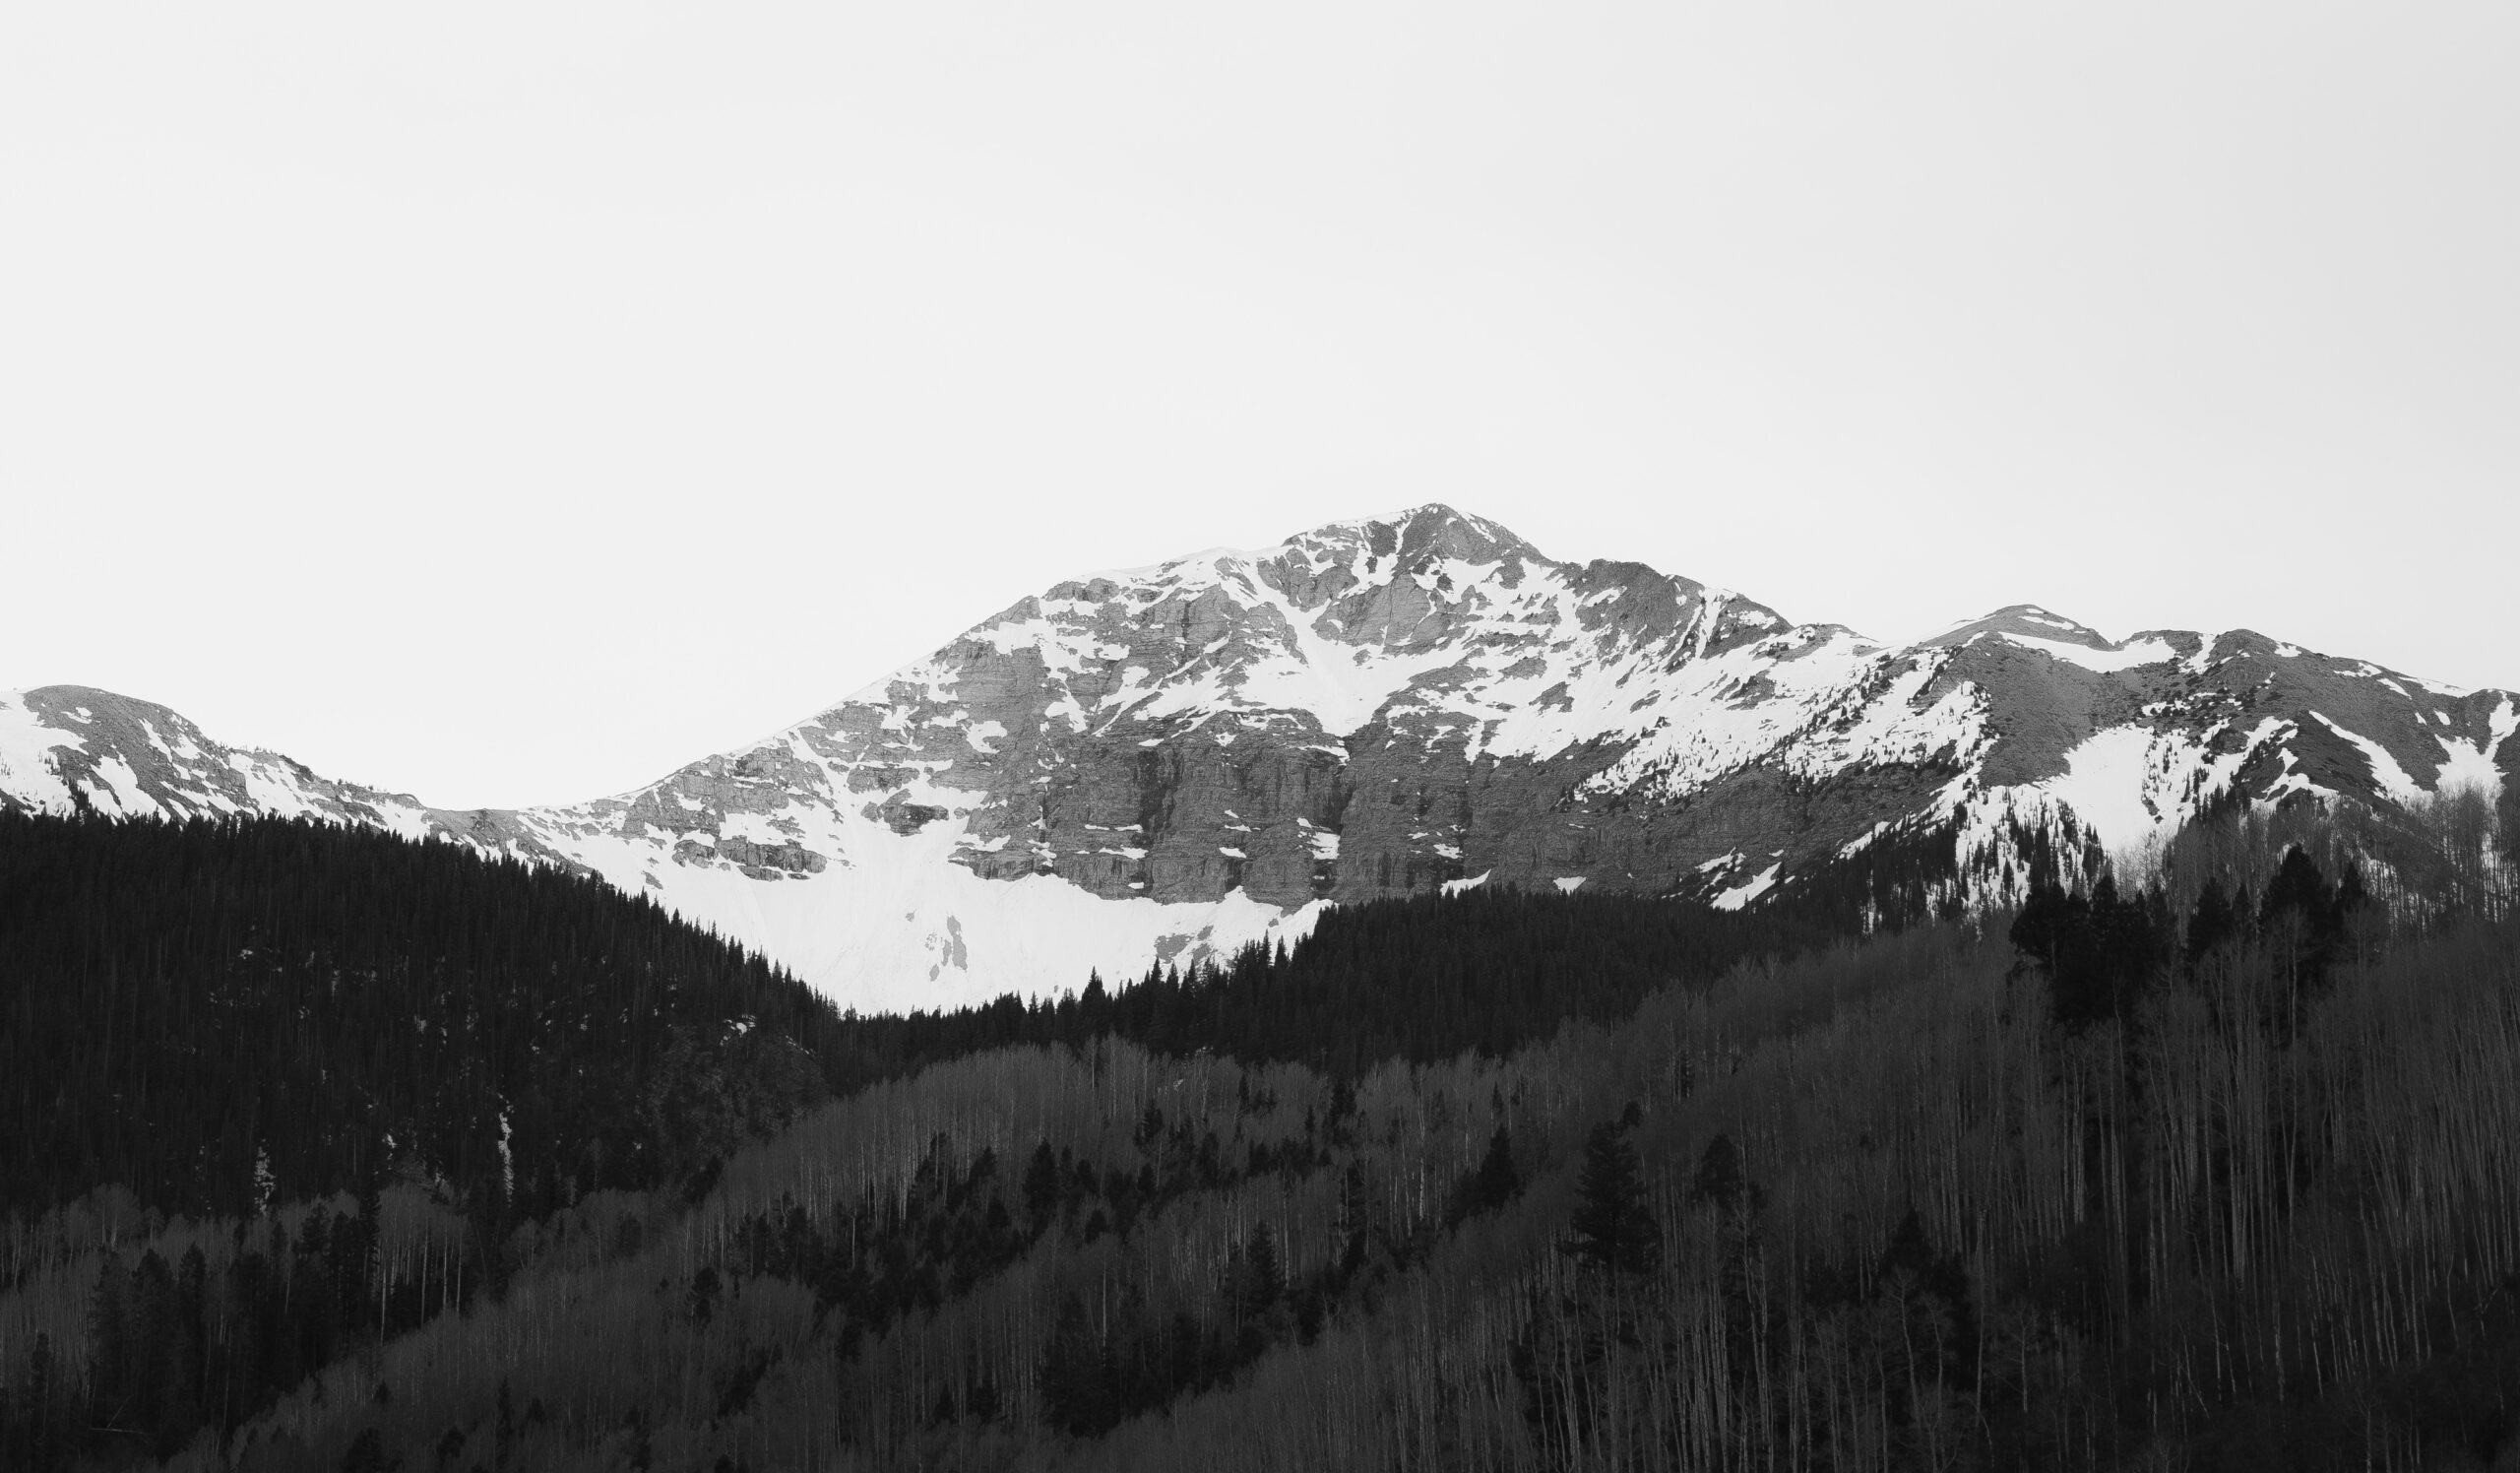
point(67, 749)
point(1163, 763)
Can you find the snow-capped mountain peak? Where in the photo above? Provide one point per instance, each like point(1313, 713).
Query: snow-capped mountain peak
point(1156, 763)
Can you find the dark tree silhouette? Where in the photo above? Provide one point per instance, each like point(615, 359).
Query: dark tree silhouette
point(1612, 1229)
point(1489, 1186)
point(1718, 1181)
point(2101, 952)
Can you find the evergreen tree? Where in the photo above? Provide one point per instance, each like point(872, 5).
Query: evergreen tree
point(1613, 1231)
point(1929, 1344)
point(1263, 1279)
point(1356, 1217)
point(154, 1337)
point(1489, 1186)
point(2215, 921)
point(1042, 1187)
point(1076, 1375)
point(109, 1347)
point(1718, 1182)
point(2301, 920)
point(367, 1455)
point(2100, 952)
point(188, 1357)
point(33, 1435)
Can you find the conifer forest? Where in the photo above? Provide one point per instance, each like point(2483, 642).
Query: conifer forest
point(330, 1150)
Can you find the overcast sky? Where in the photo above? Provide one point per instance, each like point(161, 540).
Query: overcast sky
point(508, 401)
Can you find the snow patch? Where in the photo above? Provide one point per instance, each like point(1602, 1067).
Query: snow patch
point(1743, 894)
point(756, 828)
point(2103, 785)
point(2476, 765)
point(2392, 780)
point(2129, 655)
point(840, 929)
point(27, 746)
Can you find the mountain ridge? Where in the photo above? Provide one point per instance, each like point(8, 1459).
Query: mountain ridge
point(1151, 765)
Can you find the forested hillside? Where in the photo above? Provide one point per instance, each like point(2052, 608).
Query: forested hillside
point(221, 1015)
point(373, 1061)
point(217, 1016)
point(2212, 1172)
point(1422, 978)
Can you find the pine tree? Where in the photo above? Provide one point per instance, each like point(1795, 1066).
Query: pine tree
point(1042, 1187)
point(2214, 923)
point(1491, 1184)
point(2100, 952)
point(1263, 1279)
point(1076, 1375)
point(1718, 1182)
point(154, 1337)
point(1498, 1181)
point(367, 1455)
point(188, 1357)
point(34, 1415)
point(2301, 923)
point(1356, 1217)
point(1928, 1300)
point(109, 1357)
point(1612, 1229)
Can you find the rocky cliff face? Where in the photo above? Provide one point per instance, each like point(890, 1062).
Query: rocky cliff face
point(1176, 760)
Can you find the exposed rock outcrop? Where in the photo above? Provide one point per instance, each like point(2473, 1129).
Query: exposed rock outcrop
point(1178, 759)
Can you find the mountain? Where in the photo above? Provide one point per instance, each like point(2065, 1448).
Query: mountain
point(70, 749)
point(1167, 763)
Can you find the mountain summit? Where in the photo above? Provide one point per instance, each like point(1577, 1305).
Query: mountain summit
point(1167, 763)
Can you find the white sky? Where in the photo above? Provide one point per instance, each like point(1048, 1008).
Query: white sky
point(508, 401)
